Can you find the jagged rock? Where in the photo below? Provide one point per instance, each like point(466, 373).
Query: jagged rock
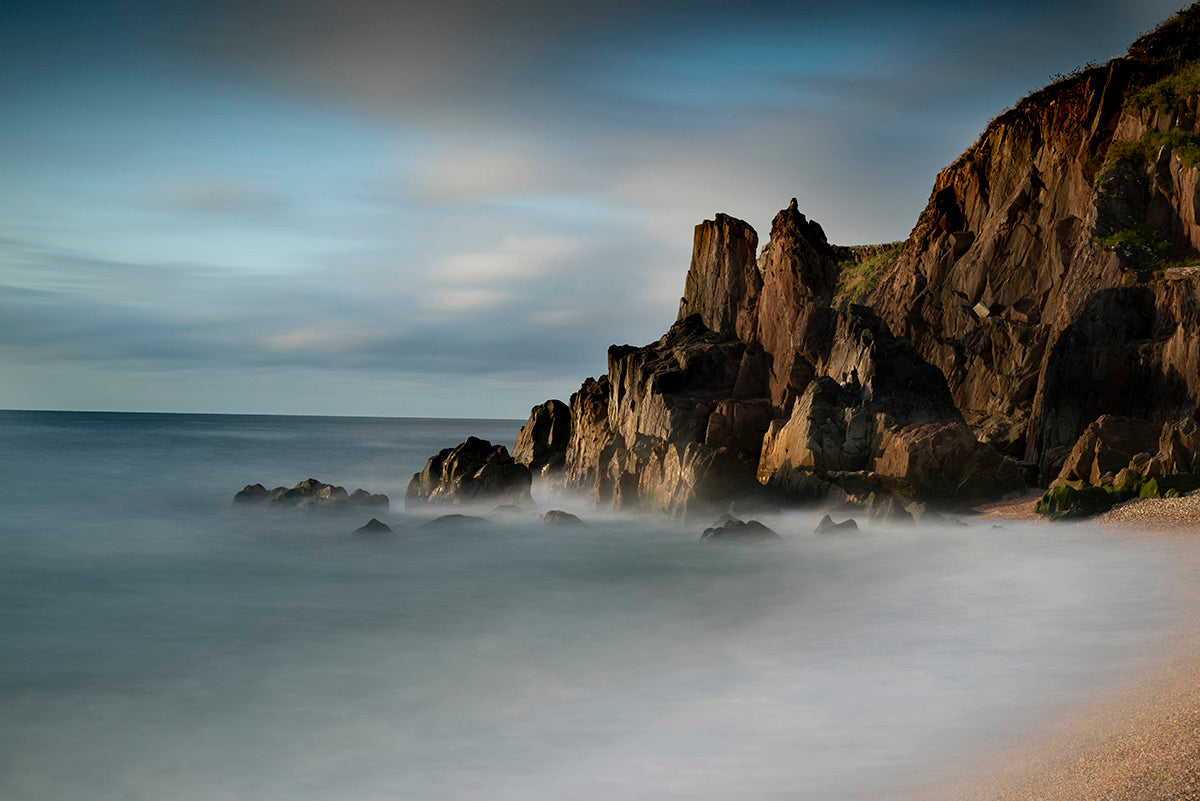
point(1008, 287)
point(889, 509)
point(827, 526)
point(723, 282)
point(1107, 445)
point(739, 425)
point(473, 472)
point(253, 493)
point(944, 461)
point(374, 527)
point(310, 496)
point(795, 320)
point(542, 442)
point(592, 441)
point(729, 528)
point(557, 517)
point(1179, 446)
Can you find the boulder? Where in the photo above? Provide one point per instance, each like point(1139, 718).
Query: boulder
point(473, 472)
point(1178, 446)
point(542, 442)
point(728, 528)
point(1107, 445)
point(1066, 501)
point(456, 521)
point(557, 517)
point(944, 462)
point(373, 527)
point(361, 497)
point(827, 526)
point(253, 493)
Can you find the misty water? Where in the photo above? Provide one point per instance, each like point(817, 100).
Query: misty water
point(158, 643)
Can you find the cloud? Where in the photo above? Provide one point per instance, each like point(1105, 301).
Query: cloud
point(514, 257)
point(216, 196)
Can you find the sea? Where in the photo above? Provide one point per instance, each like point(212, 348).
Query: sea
point(158, 643)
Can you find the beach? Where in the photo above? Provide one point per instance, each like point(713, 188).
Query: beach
point(1135, 739)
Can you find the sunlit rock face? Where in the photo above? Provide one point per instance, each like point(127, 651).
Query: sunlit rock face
point(1053, 277)
point(473, 472)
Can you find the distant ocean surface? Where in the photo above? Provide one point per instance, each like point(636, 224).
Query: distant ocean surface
point(158, 643)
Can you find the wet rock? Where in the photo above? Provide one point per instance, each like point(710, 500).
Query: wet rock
point(827, 526)
point(373, 527)
point(557, 517)
point(473, 472)
point(730, 529)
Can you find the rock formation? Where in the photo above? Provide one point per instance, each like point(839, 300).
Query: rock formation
point(473, 472)
point(1053, 277)
point(310, 495)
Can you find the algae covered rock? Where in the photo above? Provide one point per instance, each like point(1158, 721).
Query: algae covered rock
point(1067, 502)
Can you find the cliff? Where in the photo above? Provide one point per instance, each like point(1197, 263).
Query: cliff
point(1038, 278)
point(1052, 278)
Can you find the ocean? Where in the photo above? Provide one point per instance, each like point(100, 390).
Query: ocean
point(158, 643)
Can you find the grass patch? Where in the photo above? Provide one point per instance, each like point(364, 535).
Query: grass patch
point(1145, 150)
point(860, 269)
point(1172, 92)
point(1138, 244)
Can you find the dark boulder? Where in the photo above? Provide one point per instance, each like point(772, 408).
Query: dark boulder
point(542, 442)
point(944, 462)
point(363, 498)
point(373, 527)
point(728, 528)
point(827, 526)
point(473, 472)
point(253, 493)
point(1107, 446)
point(557, 517)
point(457, 522)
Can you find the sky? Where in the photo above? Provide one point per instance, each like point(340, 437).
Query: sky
point(450, 209)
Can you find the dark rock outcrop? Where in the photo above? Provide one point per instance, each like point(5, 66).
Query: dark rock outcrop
point(310, 495)
point(827, 526)
point(557, 517)
point(728, 528)
point(373, 527)
point(542, 442)
point(473, 472)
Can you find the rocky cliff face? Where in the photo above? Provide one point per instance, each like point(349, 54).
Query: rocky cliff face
point(1053, 277)
point(1030, 278)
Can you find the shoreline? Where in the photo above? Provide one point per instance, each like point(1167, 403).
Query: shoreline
point(1136, 736)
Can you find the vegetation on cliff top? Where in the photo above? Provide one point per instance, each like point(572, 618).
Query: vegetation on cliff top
point(859, 269)
point(1171, 92)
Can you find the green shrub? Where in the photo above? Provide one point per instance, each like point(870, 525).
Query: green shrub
point(1171, 92)
point(860, 270)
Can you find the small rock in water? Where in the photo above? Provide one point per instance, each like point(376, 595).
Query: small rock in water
point(827, 526)
point(456, 521)
point(729, 528)
point(374, 526)
point(557, 517)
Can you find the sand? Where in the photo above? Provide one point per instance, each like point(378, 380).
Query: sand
point(1137, 738)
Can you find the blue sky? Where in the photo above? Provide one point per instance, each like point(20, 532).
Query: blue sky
point(449, 209)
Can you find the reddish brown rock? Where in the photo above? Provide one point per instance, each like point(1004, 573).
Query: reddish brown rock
point(1179, 446)
point(723, 282)
point(944, 462)
point(795, 321)
point(1106, 446)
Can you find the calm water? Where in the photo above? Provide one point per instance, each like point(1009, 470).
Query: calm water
point(156, 643)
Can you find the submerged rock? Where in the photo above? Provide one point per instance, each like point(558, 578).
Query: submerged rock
point(827, 526)
point(309, 496)
point(374, 526)
point(457, 521)
point(729, 528)
point(557, 517)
